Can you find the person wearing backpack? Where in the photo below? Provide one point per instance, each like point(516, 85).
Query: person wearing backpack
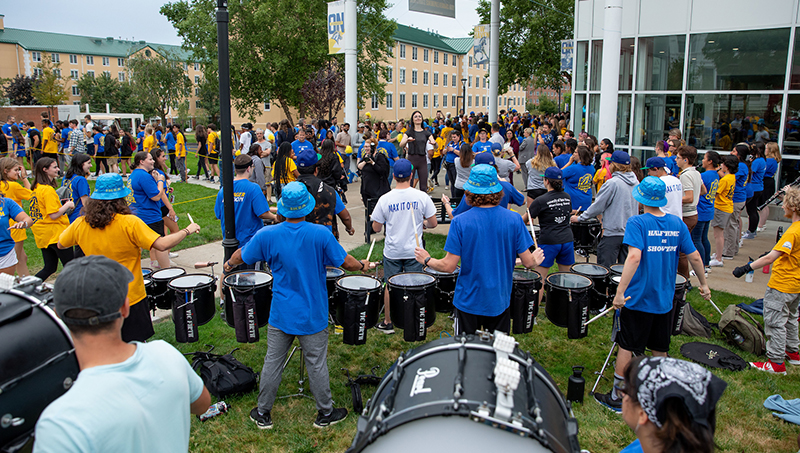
point(783, 291)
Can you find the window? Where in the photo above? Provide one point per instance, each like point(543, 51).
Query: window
point(37, 72)
point(121, 62)
point(106, 61)
point(469, 101)
point(435, 100)
point(469, 82)
point(425, 77)
point(107, 74)
point(75, 91)
point(197, 79)
point(454, 80)
point(267, 105)
point(57, 72)
point(402, 51)
point(425, 55)
point(389, 74)
point(402, 100)
point(89, 59)
point(196, 91)
point(444, 59)
point(197, 66)
point(453, 99)
point(484, 66)
point(444, 79)
point(485, 99)
point(403, 75)
point(425, 100)
point(389, 101)
point(454, 60)
point(76, 102)
point(413, 76)
point(197, 104)
point(36, 57)
point(444, 100)
point(470, 61)
point(414, 100)
point(185, 66)
point(374, 102)
point(436, 56)
point(56, 58)
point(436, 79)
point(90, 73)
point(477, 101)
point(414, 53)
point(73, 74)
point(121, 76)
point(477, 82)
point(73, 59)
point(484, 82)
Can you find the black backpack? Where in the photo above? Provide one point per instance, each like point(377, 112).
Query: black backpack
point(223, 375)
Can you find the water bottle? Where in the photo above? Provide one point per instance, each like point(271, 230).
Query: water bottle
point(749, 276)
point(576, 385)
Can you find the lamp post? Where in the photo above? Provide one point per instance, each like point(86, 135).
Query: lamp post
point(464, 95)
point(229, 242)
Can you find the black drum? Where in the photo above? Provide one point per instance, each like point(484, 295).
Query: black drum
point(37, 365)
point(678, 304)
point(148, 288)
point(445, 288)
point(412, 301)
point(568, 302)
point(331, 275)
point(616, 269)
point(598, 296)
point(259, 283)
point(415, 402)
point(161, 295)
point(359, 299)
point(192, 304)
point(524, 300)
point(146, 271)
point(586, 234)
point(613, 283)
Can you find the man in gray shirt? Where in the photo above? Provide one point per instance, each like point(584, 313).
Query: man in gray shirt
point(693, 189)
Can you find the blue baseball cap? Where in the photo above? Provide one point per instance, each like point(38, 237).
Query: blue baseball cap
point(109, 186)
point(620, 157)
point(552, 173)
point(496, 147)
point(654, 162)
point(307, 158)
point(652, 191)
point(295, 201)
point(484, 158)
point(483, 180)
point(403, 168)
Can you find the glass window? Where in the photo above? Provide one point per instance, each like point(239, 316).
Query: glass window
point(444, 58)
point(389, 101)
point(425, 100)
point(444, 100)
point(436, 56)
point(791, 134)
point(73, 73)
point(73, 59)
point(374, 102)
point(414, 53)
point(719, 121)
point(75, 91)
point(413, 101)
point(436, 79)
point(413, 76)
point(121, 62)
point(655, 115)
point(626, 64)
point(402, 75)
point(660, 65)
point(402, 50)
point(196, 66)
point(623, 134)
point(444, 79)
point(597, 65)
point(89, 59)
point(424, 77)
point(425, 55)
point(402, 100)
point(389, 74)
point(740, 60)
point(593, 118)
point(453, 99)
point(581, 65)
point(794, 80)
point(56, 58)
point(454, 79)
point(106, 61)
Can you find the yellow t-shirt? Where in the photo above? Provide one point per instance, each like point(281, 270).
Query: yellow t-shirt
point(122, 240)
point(180, 145)
point(600, 177)
point(445, 134)
point(291, 166)
point(149, 143)
point(212, 142)
point(43, 203)
point(724, 199)
point(48, 136)
point(785, 277)
point(16, 192)
point(439, 150)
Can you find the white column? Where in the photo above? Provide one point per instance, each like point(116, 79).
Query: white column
point(494, 58)
point(609, 86)
point(350, 65)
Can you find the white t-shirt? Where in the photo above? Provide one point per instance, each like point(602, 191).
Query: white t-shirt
point(674, 196)
point(245, 140)
point(402, 211)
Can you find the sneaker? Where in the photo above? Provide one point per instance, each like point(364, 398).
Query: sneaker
point(262, 421)
point(173, 255)
point(726, 257)
point(447, 187)
point(749, 235)
point(708, 270)
point(608, 402)
point(715, 263)
point(385, 328)
point(211, 179)
point(741, 242)
point(777, 368)
point(760, 229)
point(793, 357)
point(323, 421)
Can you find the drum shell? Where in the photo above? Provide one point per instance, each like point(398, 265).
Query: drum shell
point(331, 275)
point(33, 336)
point(616, 269)
point(349, 299)
point(263, 299)
point(445, 288)
point(678, 304)
point(524, 300)
point(585, 234)
point(598, 297)
point(162, 295)
point(559, 297)
point(203, 298)
point(397, 295)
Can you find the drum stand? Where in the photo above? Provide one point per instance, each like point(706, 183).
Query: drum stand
point(605, 364)
point(300, 383)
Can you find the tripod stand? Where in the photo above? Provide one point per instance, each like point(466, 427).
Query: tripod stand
point(301, 382)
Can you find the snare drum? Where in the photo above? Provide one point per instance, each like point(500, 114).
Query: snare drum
point(568, 302)
point(331, 275)
point(148, 288)
point(415, 401)
point(162, 295)
point(359, 299)
point(616, 269)
point(678, 304)
point(524, 300)
point(412, 301)
point(146, 271)
point(244, 282)
point(598, 274)
point(445, 288)
point(192, 304)
point(613, 284)
point(586, 234)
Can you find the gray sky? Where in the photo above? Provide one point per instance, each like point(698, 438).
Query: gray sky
point(143, 21)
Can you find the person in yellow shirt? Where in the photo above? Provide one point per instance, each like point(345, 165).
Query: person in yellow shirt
point(436, 159)
point(723, 205)
point(15, 186)
point(180, 150)
point(284, 168)
point(49, 216)
point(213, 152)
point(49, 143)
point(109, 229)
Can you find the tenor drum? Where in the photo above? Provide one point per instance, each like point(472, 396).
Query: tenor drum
point(412, 301)
point(568, 302)
point(525, 289)
point(358, 303)
point(586, 234)
point(616, 269)
point(598, 296)
point(192, 304)
point(445, 288)
point(243, 284)
point(331, 275)
point(162, 295)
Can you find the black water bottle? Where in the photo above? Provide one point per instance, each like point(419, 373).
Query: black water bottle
point(576, 386)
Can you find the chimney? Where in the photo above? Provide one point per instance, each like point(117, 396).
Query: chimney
point(2, 26)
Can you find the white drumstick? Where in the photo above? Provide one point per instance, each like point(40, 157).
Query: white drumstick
point(715, 306)
point(603, 313)
point(370, 249)
point(530, 219)
point(190, 218)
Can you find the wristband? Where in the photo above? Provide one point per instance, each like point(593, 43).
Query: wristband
point(362, 265)
point(426, 260)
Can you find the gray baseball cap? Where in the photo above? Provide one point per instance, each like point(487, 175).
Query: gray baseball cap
point(94, 283)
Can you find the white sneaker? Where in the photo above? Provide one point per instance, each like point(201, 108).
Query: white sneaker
point(173, 255)
point(708, 270)
point(760, 229)
point(715, 263)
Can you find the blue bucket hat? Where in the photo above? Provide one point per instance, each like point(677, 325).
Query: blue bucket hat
point(109, 186)
point(483, 180)
point(620, 157)
point(552, 173)
point(484, 158)
point(295, 201)
point(403, 168)
point(651, 191)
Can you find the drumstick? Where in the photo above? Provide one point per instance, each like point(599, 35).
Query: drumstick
point(603, 313)
point(190, 217)
point(530, 219)
point(715, 306)
point(370, 249)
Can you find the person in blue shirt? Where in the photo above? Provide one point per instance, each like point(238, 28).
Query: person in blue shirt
point(452, 150)
point(483, 144)
point(510, 193)
point(473, 128)
point(78, 188)
point(10, 210)
point(647, 286)
point(147, 186)
point(578, 174)
point(140, 139)
point(301, 144)
point(773, 154)
point(705, 206)
point(99, 139)
point(487, 240)
point(297, 252)
point(755, 187)
point(734, 227)
point(171, 141)
point(560, 152)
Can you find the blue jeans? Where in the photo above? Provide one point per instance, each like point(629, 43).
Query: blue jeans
point(700, 240)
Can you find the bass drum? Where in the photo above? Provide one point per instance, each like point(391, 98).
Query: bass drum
point(415, 401)
point(37, 365)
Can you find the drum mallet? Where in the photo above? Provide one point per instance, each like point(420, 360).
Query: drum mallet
point(190, 218)
point(715, 306)
point(603, 313)
point(370, 251)
point(530, 219)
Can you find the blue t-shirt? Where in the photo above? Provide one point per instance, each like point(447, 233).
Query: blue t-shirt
point(9, 210)
point(171, 141)
point(79, 187)
point(158, 138)
point(771, 168)
point(140, 145)
point(481, 147)
point(391, 151)
point(138, 405)
point(487, 257)
point(472, 130)
point(561, 160)
point(673, 167)
point(99, 140)
point(65, 136)
point(7, 129)
point(634, 447)
point(705, 205)
point(297, 253)
point(578, 184)
point(450, 156)
point(248, 203)
point(740, 189)
point(756, 184)
point(144, 188)
point(299, 146)
point(510, 195)
point(660, 239)
point(321, 135)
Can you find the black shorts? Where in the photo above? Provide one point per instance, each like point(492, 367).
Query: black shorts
point(158, 227)
point(469, 323)
point(128, 152)
point(639, 330)
point(138, 326)
point(535, 193)
point(164, 211)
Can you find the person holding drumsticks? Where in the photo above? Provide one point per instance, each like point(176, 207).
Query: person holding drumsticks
point(648, 279)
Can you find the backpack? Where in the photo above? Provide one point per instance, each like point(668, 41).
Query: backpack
point(223, 375)
point(747, 334)
point(695, 324)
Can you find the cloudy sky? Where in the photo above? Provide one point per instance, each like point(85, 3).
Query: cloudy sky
point(143, 21)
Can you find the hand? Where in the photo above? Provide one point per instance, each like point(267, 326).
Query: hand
point(410, 139)
point(368, 264)
point(538, 256)
point(351, 231)
point(619, 300)
point(573, 219)
point(445, 199)
point(741, 270)
point(705, 292)
point(69, 204)
point(226, 267)
point(171, 214)
point(193, 228)
point(420, 254)
point(19, 225)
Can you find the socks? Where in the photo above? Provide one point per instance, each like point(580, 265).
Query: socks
point(618, 380)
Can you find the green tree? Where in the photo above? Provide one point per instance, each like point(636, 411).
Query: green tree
point(159, 82)
point(208, 98)
point(49, 88)
point(530, 40)
point(547, 105)
point(277, 45)
point(102, 90)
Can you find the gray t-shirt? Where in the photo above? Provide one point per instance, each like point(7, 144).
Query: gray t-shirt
point(691, 180)
point(535, 181)
point(504, 166)
point(462, 174)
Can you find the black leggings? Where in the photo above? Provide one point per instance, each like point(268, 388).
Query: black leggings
point(201, 164)
point(51, 255)
point(752, 211)
point(102, 161)
point(436, 165)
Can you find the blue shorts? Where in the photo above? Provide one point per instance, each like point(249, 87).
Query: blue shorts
point(393, 267)
point(560, 253)
point(21, 153)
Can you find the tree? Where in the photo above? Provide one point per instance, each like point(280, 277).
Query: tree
point(159, 82)
point(323, 92)
point(19, 90)
point(277, 45)
point(49, 88)
point(102, 90)
point(208, 98)
point(547, 105)
point(530, 40)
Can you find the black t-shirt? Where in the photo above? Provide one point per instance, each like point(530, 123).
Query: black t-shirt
point(417, 147)
point(324, 212)
point(553, 210)
point(32, 133)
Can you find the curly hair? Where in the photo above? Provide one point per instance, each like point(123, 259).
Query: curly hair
point(489, 199)
point(792, 199)
point(100, 213)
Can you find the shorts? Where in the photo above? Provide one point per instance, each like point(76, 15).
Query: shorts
point(158, 227)
point(138, 326)
point(393, 267)
point(10, 259)
point(720, 219)
point(268, 174)
point(560, 253)
point(639, 330)
point(127, 153)
point(535, 193)
point(21, 153)
point(164, 211)
point(467, 323)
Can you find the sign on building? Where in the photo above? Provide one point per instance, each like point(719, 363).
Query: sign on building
point(446, 8)
point(480, 47)
point(567, 52)
point(336, 27)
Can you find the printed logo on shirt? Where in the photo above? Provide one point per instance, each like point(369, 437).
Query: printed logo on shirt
point(712, 191)
point(585, 183)
point(129, 199)
point(786, 245)
point(36, 213)
point(403, 206)
point(238, 197)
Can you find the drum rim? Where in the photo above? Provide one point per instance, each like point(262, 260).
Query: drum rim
point(338, 285)
point(439, 273)
point(49, 311)
point(212, 278)
point(252, 271)
point(527, 271)
point(547, 280)
point(608, 270)
point(423, 285)
point(169, 269)
point(339, 269)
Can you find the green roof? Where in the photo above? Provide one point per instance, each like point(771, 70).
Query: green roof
point(422, 38)
point(84, 45)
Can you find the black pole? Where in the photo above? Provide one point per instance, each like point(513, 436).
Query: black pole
point(229, 242)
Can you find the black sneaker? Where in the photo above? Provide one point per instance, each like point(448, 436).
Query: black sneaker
point(262, 421)
point(323, 421)
point(611, 404)
point(385, 328)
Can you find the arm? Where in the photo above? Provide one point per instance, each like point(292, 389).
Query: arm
point(516, 163)
point(769, 258)
point(530, 260)
point(631, 264)
point(23, 221)
point(430, 222)
point(603, 199)
point(697, 264)
point(268, 216)
point(446, 264)
point(201, 404)
point(160, 184)
point(688, 196)
point(62, 210)
point(347, 221)
point(377, 227)
point(165, 243)
point(354, 265)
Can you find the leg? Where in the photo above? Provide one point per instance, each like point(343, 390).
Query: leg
point(315, 352)
point(50, 258)
point(278, 344)
point(173, 169)
point(698, 241)
point(22, 257)
point(731, 235)
point(683, 262)
point(778, 308)
point(752, 212)
point(608, 250)
point(65, 255)
point(763, 216)
point(706, 244)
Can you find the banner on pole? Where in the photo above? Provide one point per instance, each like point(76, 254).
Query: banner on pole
point(336, 27)
point(446, 8)
point(567, 52)
point(480, 47)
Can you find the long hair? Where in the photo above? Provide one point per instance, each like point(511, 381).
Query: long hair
point(543, 158)
point(742, 152)
point(39, 176)
point(585, 155)
point(200, 133)
point(636, 167)
point(100, 213)
point(327, 159)
point(17, 134)
point(467, 156)
point(773, 151)
point(76, 166)
point(7, 164)
point(279, 167)
point(138, 158)
point(156, 153)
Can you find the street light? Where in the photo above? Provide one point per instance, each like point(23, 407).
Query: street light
point(229, 242)
point(464, 95)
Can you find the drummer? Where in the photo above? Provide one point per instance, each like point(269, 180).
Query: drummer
point(510, 193)
point(654, 240)
point(487, 241)
point(297, 252)
point(109, 229)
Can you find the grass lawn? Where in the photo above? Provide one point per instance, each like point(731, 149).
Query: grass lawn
point(742, 422)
